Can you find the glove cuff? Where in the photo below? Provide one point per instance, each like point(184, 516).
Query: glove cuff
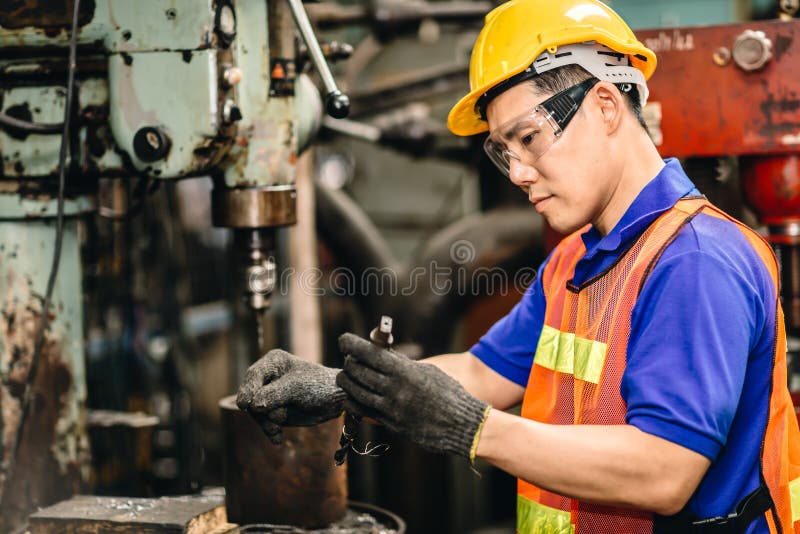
point(474, 448)
point(469, 414)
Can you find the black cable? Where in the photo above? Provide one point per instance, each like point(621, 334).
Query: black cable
point(39, 340)
point(10, 122)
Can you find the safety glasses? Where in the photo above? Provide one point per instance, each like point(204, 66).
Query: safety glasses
point(535, 132)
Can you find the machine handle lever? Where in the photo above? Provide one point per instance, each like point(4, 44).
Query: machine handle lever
point(337, 104)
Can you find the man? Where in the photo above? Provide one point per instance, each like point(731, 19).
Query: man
point(649, 354)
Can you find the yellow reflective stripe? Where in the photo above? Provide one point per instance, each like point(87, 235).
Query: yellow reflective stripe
point(590, 359)
point(535, 518)
point(794, 498)
point(565, 360)
point(566, 353)
point(547, 349)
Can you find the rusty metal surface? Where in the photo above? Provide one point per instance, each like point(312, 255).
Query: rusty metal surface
point(53, 454)
point(711, 110)
point(295, 483)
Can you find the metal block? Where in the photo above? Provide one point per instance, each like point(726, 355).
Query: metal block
point(190, 514)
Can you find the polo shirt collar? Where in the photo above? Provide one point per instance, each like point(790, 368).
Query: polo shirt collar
point(660, 194)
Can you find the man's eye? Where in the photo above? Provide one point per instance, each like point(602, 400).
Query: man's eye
point(527, 139)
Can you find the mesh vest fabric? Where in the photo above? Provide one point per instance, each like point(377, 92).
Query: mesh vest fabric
point(580, 361)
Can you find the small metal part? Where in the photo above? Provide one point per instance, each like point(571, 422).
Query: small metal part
point(283, 73)
point(255, 265)
point(788, 9)
point(254, 207)
point(381, 336)
point(261, 279)
point(232, 76)
point(230, 112)
point(151, 144)
point(333, 51)
point(337, 104)
point(722, 56)
point(752, 50)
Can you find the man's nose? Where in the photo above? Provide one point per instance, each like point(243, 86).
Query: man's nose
point(520, 174)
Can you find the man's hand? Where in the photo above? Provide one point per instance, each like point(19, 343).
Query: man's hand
point(281, 389)
point(412, 398)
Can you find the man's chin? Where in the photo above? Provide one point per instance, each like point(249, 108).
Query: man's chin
point(563, 228)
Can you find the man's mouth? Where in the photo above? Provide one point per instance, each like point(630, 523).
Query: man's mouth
point(540, 201)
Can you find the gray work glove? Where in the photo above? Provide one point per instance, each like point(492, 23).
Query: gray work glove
point(415, 399)
point(281, 389)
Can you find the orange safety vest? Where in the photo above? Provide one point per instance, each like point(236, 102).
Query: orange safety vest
point(580, 360)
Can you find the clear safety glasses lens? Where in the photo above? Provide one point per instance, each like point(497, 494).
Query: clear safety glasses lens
point(524, 139)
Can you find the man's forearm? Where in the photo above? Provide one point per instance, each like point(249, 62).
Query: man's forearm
point(479, 379)
point(610, 465)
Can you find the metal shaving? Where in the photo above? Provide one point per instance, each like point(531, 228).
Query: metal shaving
point(352, 523)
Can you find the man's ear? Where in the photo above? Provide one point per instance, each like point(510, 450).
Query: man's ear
point(611, 103)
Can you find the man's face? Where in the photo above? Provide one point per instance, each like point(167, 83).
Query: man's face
point(572, 183)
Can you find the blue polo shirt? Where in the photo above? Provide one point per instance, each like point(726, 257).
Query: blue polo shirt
point(699, 361)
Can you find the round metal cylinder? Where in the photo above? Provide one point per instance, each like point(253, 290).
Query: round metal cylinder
point(295, 483)
point(254, 207)
point(772, 186)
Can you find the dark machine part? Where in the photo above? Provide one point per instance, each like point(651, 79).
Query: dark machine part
point(389, 15)
point(292, 484)
point(772, 185)
point(382, 336)
point(121, 452)
point(151, 144)
point(255, 267)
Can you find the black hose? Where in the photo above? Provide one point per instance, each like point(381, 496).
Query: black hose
point(10, 122)
point(44, 319)
point(358, 246)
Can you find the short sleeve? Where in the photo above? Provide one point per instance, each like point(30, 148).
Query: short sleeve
point(509, 345)
point(692, 329)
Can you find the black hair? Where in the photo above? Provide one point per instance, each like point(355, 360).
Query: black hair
point(556, 80)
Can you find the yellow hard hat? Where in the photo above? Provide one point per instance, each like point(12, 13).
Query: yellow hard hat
point(517, 32)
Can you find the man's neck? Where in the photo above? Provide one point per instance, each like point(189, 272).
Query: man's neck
point(640, 164)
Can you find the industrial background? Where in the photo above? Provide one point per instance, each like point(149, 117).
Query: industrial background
point(238, 175)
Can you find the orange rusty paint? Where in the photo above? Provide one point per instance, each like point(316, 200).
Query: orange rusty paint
point(712, 110)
